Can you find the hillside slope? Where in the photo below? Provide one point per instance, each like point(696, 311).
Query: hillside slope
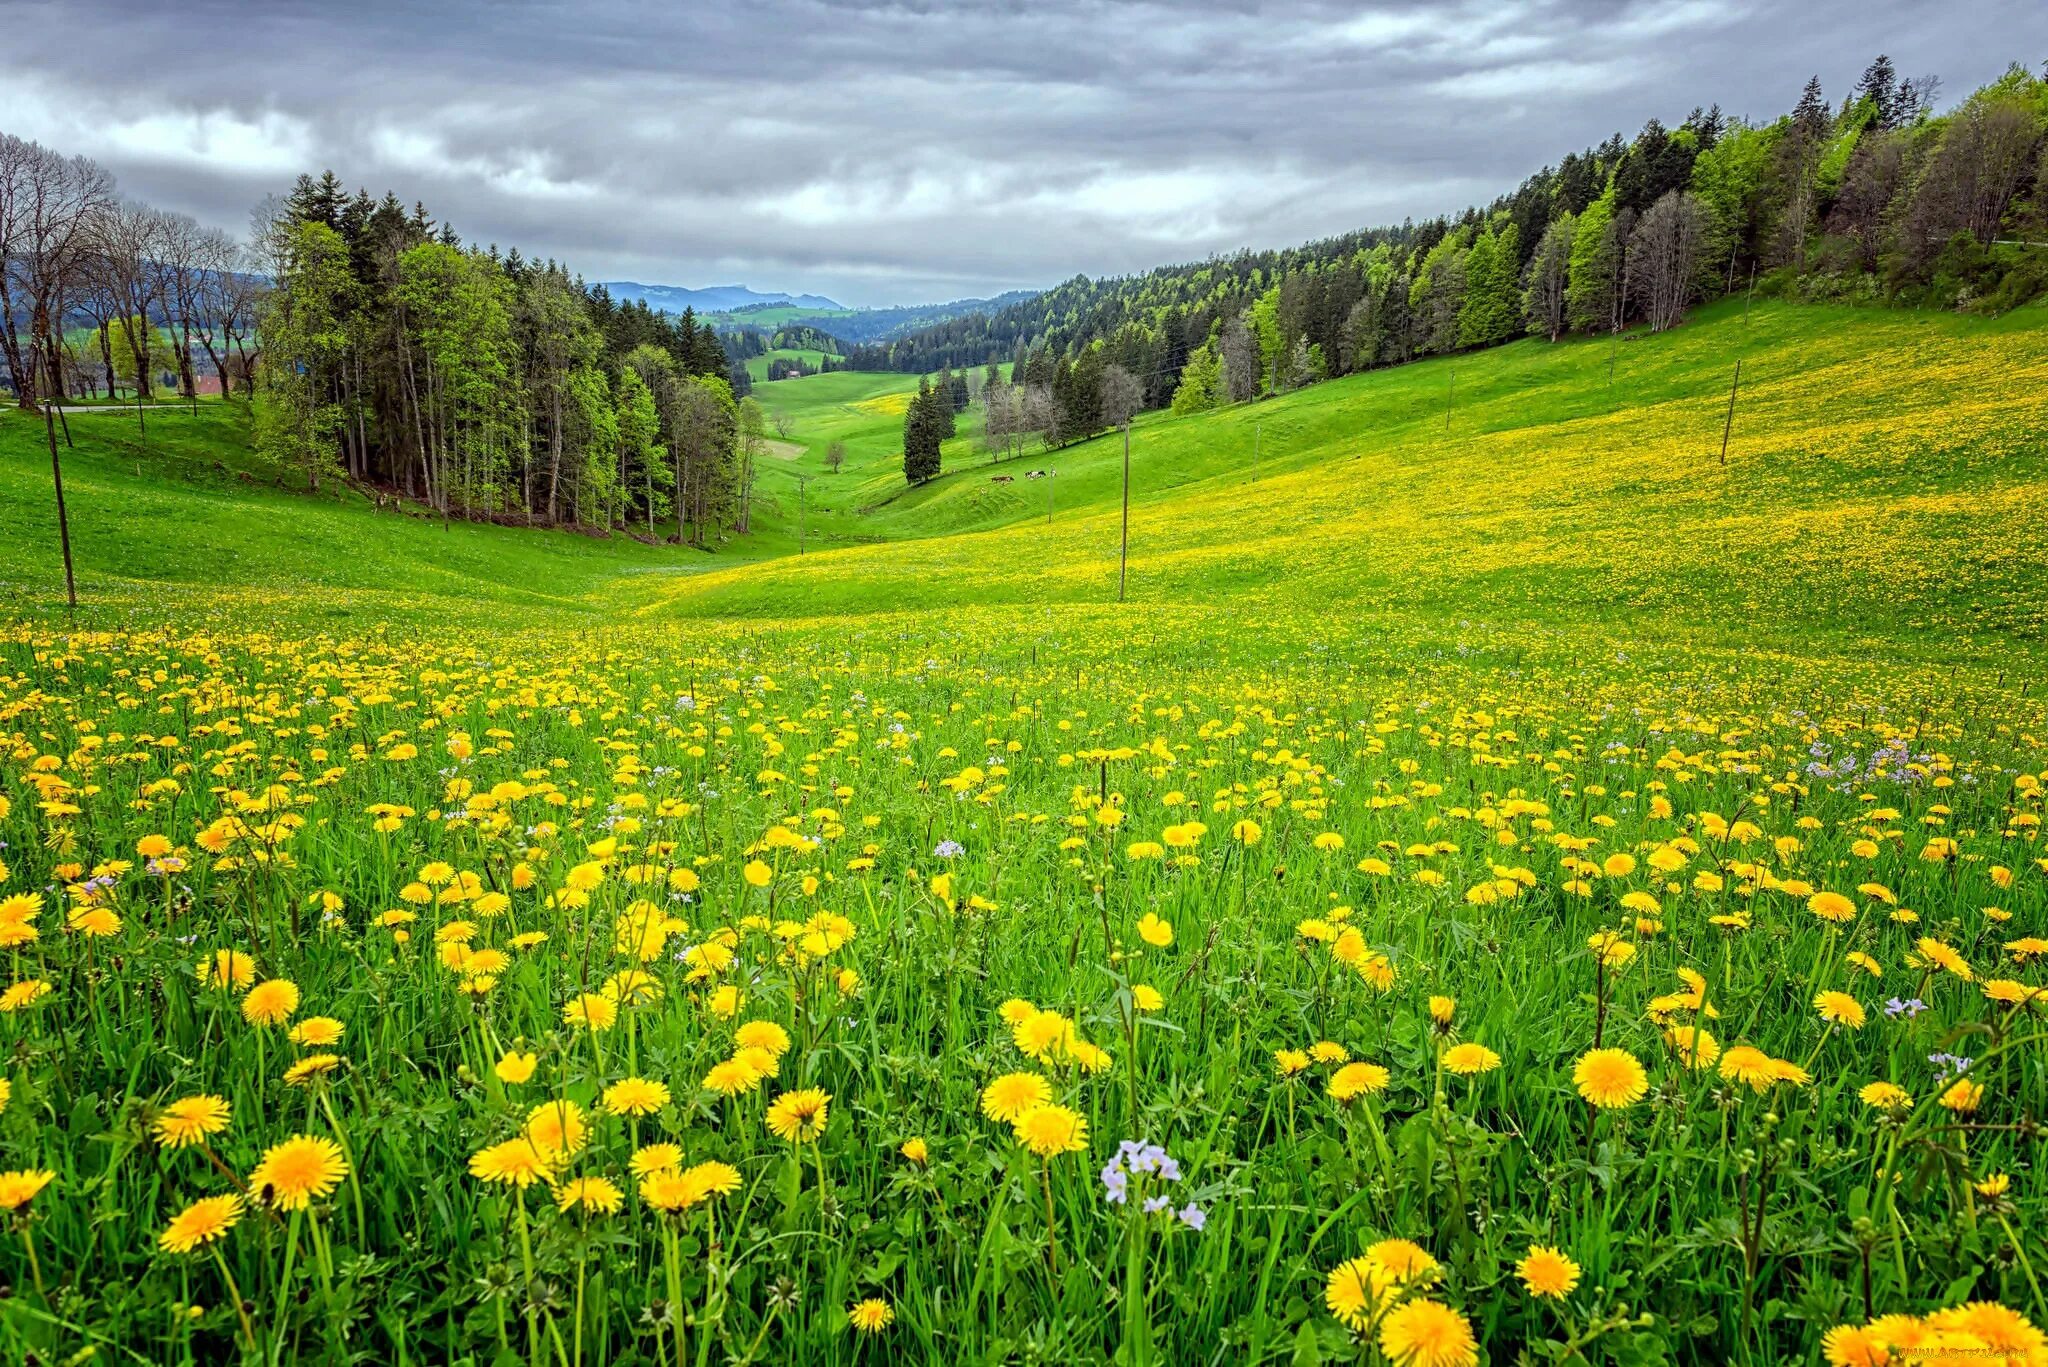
point(1883, 470)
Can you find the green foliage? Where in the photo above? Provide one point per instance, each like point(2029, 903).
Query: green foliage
point(303, 335)
point(1201, 381)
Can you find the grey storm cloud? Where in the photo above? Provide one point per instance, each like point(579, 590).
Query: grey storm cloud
point(896, 153)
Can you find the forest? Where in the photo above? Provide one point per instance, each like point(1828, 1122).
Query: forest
point(1875, 199)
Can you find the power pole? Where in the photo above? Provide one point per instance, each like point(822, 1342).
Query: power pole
point(1123, 560)
point(1450, 400)
point(1050, 476)
point(1728, 426)
point(1255, 449)
point(802, 481)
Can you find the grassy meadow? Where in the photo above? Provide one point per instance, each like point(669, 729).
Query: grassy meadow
point(1506, 886)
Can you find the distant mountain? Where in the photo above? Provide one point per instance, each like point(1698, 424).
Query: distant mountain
point(713, 299)
point(887, 324)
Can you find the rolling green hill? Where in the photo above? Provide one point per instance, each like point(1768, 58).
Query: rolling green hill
point(1882, 466)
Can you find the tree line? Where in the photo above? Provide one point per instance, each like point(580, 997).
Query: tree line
point(373, 345)
point(1876, 198)
point(486, 384)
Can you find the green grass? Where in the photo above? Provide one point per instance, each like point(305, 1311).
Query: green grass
point(1499, 693)
point(757, 366)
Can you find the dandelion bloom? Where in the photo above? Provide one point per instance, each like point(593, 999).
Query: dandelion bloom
point(514, 1163)
point(712, 1179)
point(1154, 931)
point(1831, 906)
point(557, 1127)
point(1853, 1345)
point(190, 1120)
point(652, 1158)
point(1944, 957)
point(271, 1002)
point(18, 1188)
point(318, 1031)
point(1695, 1047)
point(1041, 1034)
point(515, 1067)
point(799, 1117)
point(1050, 1130)
point(1467, 1059)
point(1839, 1008)
point(310, 1067)
point(1016, 1009)
point(1012, 1094)
point(1288, 1062)
point(1441, 1009)
point(229, 968)
point(1354, 1289)
point(1426, 1333)
point(1547, 1272)
point(762, 1035)
point(1146, 998)
point(871, 1316)
point(733, 1076)
point(668, 1191)
point(1355, 1080)
point(916, 1150)
point(1963, 1096)
point(635, 1096)
point(1886, 1096)
point(298, 1170)
point(1749, 1064)
point(200, 1223)
point(1610, 1078)
point(27, 992)
point(591, 1194)
point(592, 1010)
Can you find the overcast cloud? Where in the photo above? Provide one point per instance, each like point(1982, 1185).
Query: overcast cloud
point(899, 153)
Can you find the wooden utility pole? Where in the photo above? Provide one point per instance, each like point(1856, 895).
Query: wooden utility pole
point(1255, 449)
point(802, 481)
point(1123, 559)
point(1450, 400)
point(1050, 476)
point(1728, 425)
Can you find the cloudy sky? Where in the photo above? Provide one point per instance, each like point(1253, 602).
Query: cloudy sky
point(913, 152)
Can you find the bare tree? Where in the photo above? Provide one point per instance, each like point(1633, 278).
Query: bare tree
point(221, 299)
point(1546, 282)
point(1664, 257)
point(1121, 396)
point(1870, 185)
point(782, 423)
point(1038, 414)
point(16, 155)
point(835, 456)
point(60, 208)
point(185, 258)
point(998, 416)
point(129, 265)
point(1241, 366)
point(1972, 176)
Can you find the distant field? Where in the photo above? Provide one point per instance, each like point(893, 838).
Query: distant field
point(757, 366)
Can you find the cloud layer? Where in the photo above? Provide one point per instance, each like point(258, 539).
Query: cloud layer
point(911, 152)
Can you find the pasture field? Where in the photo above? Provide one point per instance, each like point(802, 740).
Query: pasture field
point(757, 366)
point(1505, 887)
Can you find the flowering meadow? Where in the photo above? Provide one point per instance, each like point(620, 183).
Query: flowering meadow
point(879, 993)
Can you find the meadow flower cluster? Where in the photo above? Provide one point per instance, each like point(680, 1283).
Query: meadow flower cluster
point(393, 999)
